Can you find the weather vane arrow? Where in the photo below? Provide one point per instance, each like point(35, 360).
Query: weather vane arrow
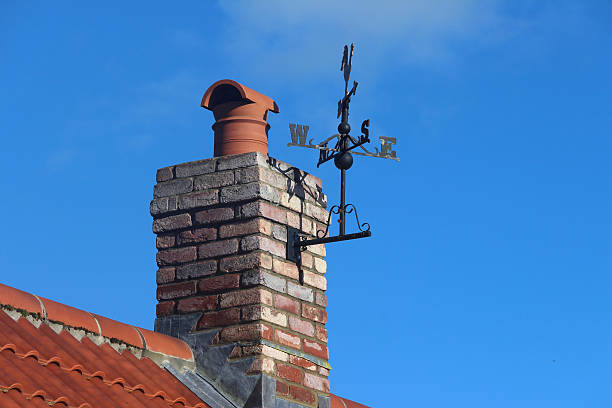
point(342, 153)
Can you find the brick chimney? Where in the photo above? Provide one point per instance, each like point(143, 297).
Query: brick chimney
point(255, 322)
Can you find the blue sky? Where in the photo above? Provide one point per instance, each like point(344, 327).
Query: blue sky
point(487, 280)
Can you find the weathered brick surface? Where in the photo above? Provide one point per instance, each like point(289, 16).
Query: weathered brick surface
point(241, 160)
point(245, 262)
point(290, 373)
point(253, 242)
point(321, 299)
point(316, 349)
point(288, 269)
point(165, 241)
point(321, 333)
point(219, 283)
point(320, 265)
point(214, 215)
point(266, 351)
point(171, 223)
point(291, 201)
point(252, 331)
point(214, 180)
point(195, 168)
point(246, 297)
point(197, 235)
point(316, 382)
point(164, 174)
point(219, 318)
point(259, 312)
point(315, 280)
point(316, 314)
point(286, 303)
point(198, 199)
point(302, 394)
point(300, 292)
point(218, 248)
point(287, 339)
point(282, 388)
point(263, 209)
point(257, 225)
point(163, 205)
point(323, 371)
point(197, 304)
point(173, 187)
point(164, 308)
point(176, 256)
point(317, 249)
point(301, 326)
point(302, 362)
point(196, 270)
point(279, 232)
point(166, 275)
point(261, 277)
point(307, 260)
point(176, 290)
point(316, 212)
point(261, 365)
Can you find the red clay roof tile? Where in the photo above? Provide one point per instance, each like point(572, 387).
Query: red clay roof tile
point(339, 402)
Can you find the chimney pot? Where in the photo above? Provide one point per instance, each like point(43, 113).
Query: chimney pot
point(241, 117)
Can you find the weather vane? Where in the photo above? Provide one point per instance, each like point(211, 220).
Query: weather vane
point(343, 159)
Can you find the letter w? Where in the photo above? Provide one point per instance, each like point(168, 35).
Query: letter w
point(298, 133)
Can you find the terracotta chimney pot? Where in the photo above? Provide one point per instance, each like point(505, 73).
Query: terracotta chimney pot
point(240, 115)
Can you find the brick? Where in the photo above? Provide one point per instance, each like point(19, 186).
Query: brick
point(236, 353)
point(197, 235)
point(316, 382)
point(294, 220)
point(314, 313)
point(257, 225)
point(321, 334)
point(198, 199)
point(291, 201)
point(263, 209)
point(252, 331)
point(218, 283)
point(173, 187)
point(279, 232)
point(197, 304)
point(302, 394)
point(245, 262)
point(300, 292)
point(164, 174)
point(176, 290)
point(302, 362)
point(246, 297)
point(316, 212)
point(260, 277)
point(261, 174)
point(307, 260)
point(287, 304)
point(259, 312)
point(321, 299)
point(164, 308)
point(165, 241)
point(290, 373)
point(218, 248)
point(287, 339)
point(254, 242)
point(171, 223)
point(241, 160)
point(288, 269)
point(214, 215)
point(315, 280)
point(282, 388)
point(196, 270)
point(165, 275)
point(213, 180)
point(316, 349)
point(195, 168)
point(320, 265)
point(317, 249)
point(266, 351)
point(176, 256)
point(219, 318)
point(323, 371)
point(261, 365)
point(163, 205)
point(301, 326)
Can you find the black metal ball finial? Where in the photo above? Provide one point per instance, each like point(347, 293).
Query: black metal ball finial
point(343, 161)
point(344, 128)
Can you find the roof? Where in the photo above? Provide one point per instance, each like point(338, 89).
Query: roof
point(87, 362)
point(54, 354)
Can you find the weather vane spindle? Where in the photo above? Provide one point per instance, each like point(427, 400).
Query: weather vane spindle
point(343, 159)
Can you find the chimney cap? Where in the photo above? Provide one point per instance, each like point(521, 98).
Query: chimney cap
point(227, 90)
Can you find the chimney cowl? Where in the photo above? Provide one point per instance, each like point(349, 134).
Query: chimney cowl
point(241, 117)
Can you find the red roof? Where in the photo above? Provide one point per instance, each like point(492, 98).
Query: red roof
point(39, 367)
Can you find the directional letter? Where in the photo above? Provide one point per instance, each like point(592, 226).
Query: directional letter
point(385, 146)
point(298, 133)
